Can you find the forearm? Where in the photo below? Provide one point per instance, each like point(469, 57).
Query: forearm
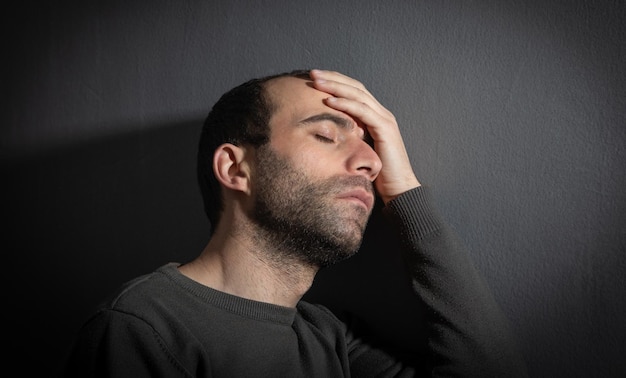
point(468, 334)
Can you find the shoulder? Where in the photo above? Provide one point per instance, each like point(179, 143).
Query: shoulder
point(141, 291)
point(150, 301)
point(146, 315)
point(322, 319)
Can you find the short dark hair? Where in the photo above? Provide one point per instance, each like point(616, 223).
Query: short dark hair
point(241, 117)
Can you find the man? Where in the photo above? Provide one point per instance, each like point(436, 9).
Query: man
point(289, 166)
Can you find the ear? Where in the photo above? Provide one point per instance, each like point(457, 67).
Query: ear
point(231, 167)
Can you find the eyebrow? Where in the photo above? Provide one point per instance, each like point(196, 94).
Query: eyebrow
point(339, 121)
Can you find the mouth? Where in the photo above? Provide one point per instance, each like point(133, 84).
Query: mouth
point(359, 196)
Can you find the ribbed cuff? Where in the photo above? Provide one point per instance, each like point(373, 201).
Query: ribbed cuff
point(415, 213)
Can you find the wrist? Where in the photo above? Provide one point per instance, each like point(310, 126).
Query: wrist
point(391, 195)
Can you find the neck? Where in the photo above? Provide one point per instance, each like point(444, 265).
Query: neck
point(240, 263)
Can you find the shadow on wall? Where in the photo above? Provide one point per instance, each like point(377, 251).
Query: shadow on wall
point(83, 220)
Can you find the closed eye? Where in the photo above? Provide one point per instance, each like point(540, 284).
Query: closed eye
point(324, 139)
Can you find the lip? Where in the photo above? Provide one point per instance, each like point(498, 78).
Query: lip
point(362, 196)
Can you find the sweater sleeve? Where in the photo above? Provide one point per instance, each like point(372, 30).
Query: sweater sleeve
point(468, 334)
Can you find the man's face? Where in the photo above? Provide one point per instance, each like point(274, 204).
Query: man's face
point(313, 181)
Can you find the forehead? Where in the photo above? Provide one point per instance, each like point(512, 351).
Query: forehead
point(292, 93)
point(296, 102)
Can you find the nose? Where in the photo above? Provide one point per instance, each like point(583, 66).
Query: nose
point(363, 160)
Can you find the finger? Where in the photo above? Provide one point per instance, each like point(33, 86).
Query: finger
point(338, 77)
point(341, 85)
point(342, 90)
point(353, 101)
point(371, 118)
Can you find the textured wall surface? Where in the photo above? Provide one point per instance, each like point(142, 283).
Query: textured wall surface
point(514, 113)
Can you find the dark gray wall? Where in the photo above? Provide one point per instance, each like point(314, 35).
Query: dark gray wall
point(513, 112)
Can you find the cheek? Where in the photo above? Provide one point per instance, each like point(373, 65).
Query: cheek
point(316, 164)
point(314, 159)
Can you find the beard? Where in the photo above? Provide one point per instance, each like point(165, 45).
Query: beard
point(302, 219)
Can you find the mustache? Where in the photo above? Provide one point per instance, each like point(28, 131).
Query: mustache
point(342, 183)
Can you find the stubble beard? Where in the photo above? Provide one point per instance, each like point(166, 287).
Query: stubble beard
point(301, 219)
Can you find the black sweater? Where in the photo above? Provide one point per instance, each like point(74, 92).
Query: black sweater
point(166, 325)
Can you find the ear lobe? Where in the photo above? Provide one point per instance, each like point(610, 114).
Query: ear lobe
point(231, 168)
